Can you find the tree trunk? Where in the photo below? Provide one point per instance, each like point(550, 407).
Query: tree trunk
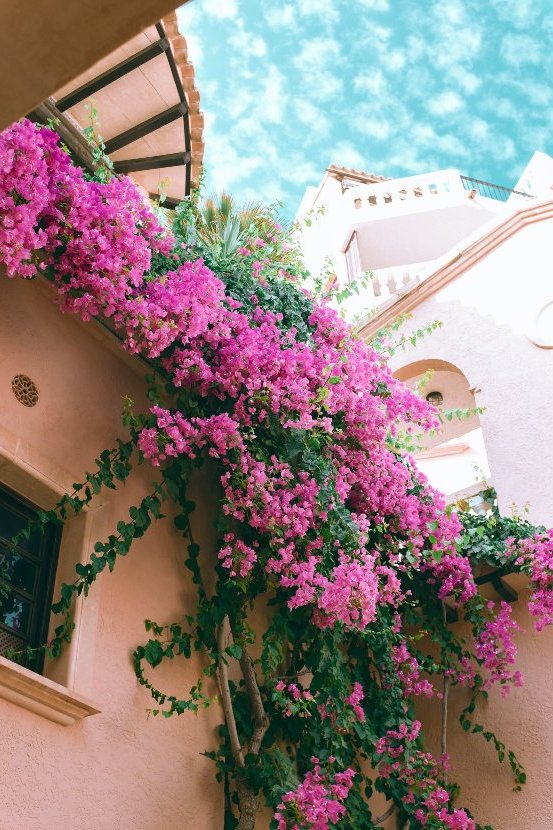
point(249, 806)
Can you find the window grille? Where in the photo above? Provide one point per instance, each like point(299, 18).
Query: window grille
point(26, 579)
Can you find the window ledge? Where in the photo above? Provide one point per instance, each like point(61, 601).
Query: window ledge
point(42, 696)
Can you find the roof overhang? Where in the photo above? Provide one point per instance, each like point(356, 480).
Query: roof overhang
point(46, 43)
point(147, 108)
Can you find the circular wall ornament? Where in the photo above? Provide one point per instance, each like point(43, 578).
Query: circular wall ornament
point(25, 390)
point(435, 398)
point(541, 330)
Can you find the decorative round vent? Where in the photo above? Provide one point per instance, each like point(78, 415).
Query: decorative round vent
point(435, 398)
point(25, 390)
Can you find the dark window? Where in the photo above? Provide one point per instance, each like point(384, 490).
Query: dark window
point(27, 574)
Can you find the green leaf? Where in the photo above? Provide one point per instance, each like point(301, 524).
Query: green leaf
point(235, 650)
point(153, 652)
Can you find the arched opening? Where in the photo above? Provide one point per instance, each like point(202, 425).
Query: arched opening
point(454, 458)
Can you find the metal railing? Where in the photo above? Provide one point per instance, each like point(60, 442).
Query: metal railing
point(491, 191)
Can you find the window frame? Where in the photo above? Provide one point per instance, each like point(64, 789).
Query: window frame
point(353, 260)
point(45, 559)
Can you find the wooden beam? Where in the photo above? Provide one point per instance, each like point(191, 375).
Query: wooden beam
point(151, 162)
point(146, 127)
point(500, 586)
point(123, 68)
point(67, 130)
point(170, 202)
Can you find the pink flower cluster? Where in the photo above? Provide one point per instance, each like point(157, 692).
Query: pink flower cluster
point(455, 575)
point(421, 773)
point(317, 802)
point(351, 595)
point(96, 240)
point(494, 647)
point(408, 672)
point(293, 699)
point(100, 236)
point(353, 702)
point(237, 557)
point(181, 305)
point(177, 435)
point(535, 556)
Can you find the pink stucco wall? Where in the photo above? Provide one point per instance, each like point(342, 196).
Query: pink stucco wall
point(119, 769)
point(523, 721)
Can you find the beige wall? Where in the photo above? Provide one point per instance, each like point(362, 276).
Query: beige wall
point(116, 770)
point(523, 721)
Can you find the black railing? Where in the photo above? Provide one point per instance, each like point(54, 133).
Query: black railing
point(491, 191)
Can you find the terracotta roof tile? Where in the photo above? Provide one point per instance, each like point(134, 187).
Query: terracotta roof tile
point(187, 76)
point(351, 173)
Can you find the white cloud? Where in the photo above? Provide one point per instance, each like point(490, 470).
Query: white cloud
point(345, 155)
point(452, 145)
point(324, 8)
point(478, 129)
point(195, 48)
point(517, 50)
point(375, 5)
point(504, 148)
point(318, 78)
point(227, 164)
point(281, 17)
point(272, 98)
point(302, 171)
point(394, 60)
point(522, 14)
point(311, 116)
point(222, 9)
point(372, 82)
point(317, 51)
point(188, 20)
point(452, 10)
point(246, 43)
point(445, 103)
point(468, 81)
point(372, 126)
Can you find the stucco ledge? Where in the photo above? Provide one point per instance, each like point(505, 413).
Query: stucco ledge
point(42, 696)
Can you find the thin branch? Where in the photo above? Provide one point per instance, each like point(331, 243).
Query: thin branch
point(260, 718)
point(389, 812)
point(226, 701)
point(445, 700)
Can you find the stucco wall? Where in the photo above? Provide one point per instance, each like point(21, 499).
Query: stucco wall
point(116, 770)
point(523, 721)
point(486, 313)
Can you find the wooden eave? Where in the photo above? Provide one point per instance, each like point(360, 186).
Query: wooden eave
point(148, 110)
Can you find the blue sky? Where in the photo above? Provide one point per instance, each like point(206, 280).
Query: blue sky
point(395, 87)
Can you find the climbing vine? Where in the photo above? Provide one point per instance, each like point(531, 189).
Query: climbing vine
point(323, 518)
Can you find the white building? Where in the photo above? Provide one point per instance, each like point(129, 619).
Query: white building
point(479, 258)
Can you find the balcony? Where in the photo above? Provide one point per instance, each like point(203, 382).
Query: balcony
point(400, 229)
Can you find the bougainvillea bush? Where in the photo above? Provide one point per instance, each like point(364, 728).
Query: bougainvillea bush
point(323, 516)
